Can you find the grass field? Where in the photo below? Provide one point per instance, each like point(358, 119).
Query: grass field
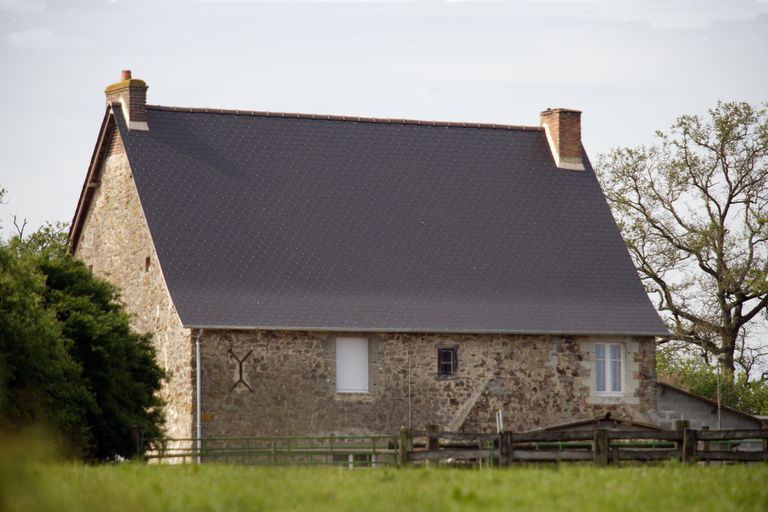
point(36, 486)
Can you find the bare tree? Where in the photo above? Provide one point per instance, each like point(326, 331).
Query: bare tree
point(693, 211)
point(19, 229)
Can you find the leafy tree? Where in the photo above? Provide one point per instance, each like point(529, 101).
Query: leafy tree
point(693, 211)
point(40, 382)
point(66, 338)
point(118, 365)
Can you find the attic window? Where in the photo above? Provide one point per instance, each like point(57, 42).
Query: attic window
point(147, 261)
point(446, 362)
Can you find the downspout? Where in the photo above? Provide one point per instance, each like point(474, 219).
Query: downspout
point(198, 400)
point(410, 396)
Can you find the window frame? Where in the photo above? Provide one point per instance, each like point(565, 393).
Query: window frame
point(608, 371)
point(454, 350)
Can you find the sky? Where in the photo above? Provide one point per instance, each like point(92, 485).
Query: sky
point(632, 67)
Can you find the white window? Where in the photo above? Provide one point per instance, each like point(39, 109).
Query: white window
point(351, 365)
point(609, 368)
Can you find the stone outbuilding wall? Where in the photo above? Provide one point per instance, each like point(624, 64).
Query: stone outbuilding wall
point(676, 404)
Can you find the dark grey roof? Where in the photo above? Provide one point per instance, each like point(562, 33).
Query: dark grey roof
point(271, 222)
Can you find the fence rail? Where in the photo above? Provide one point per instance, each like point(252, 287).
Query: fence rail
point(346, 451)
point(599, 446)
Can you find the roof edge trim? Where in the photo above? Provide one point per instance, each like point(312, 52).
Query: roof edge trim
point(354, 119)
point(424, 330)
point(108, 125)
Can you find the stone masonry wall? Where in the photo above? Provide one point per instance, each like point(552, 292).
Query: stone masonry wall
point(288, 383)
point(116, 244)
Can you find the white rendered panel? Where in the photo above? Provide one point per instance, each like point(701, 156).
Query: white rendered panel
point(352, 365)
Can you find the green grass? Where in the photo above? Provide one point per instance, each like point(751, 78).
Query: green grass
point(33, 486)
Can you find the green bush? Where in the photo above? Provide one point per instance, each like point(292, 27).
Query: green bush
point(68, 357)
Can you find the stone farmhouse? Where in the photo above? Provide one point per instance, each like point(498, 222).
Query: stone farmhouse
point(315, 274)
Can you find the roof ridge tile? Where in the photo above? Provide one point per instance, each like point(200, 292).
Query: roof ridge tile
point(355, 119)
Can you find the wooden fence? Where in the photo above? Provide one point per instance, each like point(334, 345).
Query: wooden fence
point(599, 446)
point(413, 447)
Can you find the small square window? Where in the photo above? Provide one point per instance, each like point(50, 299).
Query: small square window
point(446, 362)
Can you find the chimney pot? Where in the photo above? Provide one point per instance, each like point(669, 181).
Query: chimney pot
point(131, 94)
point(563, 129)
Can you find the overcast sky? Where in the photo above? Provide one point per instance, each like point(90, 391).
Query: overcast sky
point(632, 67)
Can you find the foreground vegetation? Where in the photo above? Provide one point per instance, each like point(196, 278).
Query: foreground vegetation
point(68, 356)
point(34, 485)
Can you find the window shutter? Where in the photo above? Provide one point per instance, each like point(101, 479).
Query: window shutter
point(352, 365)
point(600, 366)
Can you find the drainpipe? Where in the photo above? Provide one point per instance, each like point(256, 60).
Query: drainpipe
point(410, 396)
point(198, 400)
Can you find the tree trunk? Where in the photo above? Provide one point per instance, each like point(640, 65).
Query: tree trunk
point(725, 358)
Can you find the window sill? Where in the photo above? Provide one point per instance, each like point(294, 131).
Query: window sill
point(361, 396)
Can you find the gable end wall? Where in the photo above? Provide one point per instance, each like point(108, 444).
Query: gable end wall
point(115, 243)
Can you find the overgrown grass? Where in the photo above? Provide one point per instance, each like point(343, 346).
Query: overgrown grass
point(29, 484)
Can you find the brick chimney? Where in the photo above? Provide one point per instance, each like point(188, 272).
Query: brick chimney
point(563, 128)
point(131, 94)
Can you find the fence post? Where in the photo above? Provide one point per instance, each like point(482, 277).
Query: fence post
point(503, 453)
point(600, 447)
point(763, 426)
point(705, 444)
point(690, 442)
point(433, 438)
point(615, 457)
point(403, 448)
point(272, 453)
point(508, 438)
point(137, 441)
point(680, 426)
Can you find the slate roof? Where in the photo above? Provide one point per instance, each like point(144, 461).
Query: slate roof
point(265, 221)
